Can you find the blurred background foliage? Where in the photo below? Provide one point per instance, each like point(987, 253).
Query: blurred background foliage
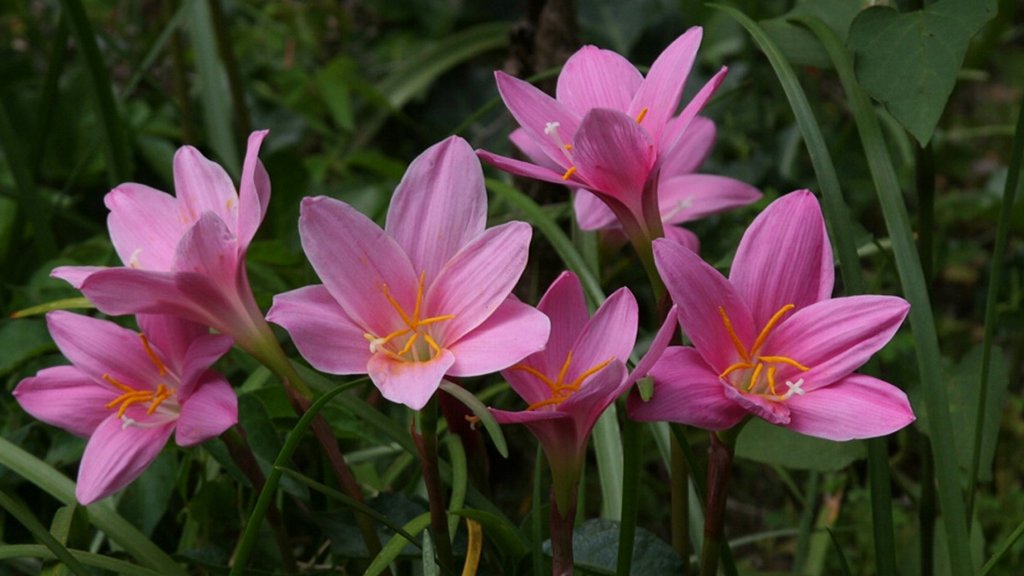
point(94, 93)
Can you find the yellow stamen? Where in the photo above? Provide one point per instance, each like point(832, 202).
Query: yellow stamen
point(771, 380)
point(643, 114)
point(768, 327)
point(785, 360)
point(568, 173)
point(160, 368)
point(413, 325)
point(567, 146)
point(758, 364)
point(132, 396)
point(755, 377)
point(732, 334)
point(735, 367)
point(560, 392)
point(535, 373)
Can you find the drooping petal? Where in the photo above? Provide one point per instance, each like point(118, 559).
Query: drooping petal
point(536, 171)
point(660, 91)
point(478, 279)
point(512, 333)
point(855, 407)
point(537, 113)
point(118, 291)
point(439, 206)
point(564, 304)
point(211, 409)
point(591, 211)
point(522, 140)
point(614, 155)
point(769, 410)
point(201, 185)
point(357, 261)
point(610, 335)
point(320, 329)
point(684, 237)
point(835, 337)
point(596, 78)
point(409, 383)
point(702, 294)
point(144, 225)
point(693, 147)
point(75, 275)
point(594, 396)
point(687, 391)
point(210, 248)
point(669, 142)
point(253, 190)
point(65, 397)
point(695, 196)
point(98, 347)
point(204, 351)
point(784, 257)
point(657, 347)
point(116, 455)
point(171, 337)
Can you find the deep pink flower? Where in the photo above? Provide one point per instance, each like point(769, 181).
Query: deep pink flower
point(609, 130)
point(770, 340)
point(185, 255)
point(426, 297)
point(128, 392)
point(570, 383)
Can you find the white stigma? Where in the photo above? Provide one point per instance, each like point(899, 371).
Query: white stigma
point(794, 388)
point(551, 128)
point(133, 261)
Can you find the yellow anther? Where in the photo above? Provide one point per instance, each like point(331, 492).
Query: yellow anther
point(413, 326)
point(758, 364)
point(768, 327)
point(560, 391)
point(160, 368)
point(643, 114)
point(732, 334)
point(785, 360)
point(755, 377)
point(567, 146)
point(568, 173)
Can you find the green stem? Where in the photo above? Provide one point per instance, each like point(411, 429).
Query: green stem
point(680, 504)
point(880, 488)
point(926, 510)
point(720, 454)
point(561, 535)
point(632, 461)
point(426, 448)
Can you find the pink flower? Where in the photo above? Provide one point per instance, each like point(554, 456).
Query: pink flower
point(186, 255)
point(426, 297)
point(128, 392)
point(769, 340)
point(570, 383)
point(612, 131)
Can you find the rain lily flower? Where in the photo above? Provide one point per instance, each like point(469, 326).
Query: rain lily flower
point(185, 255)
point(610, 130)
point(770, 341)
point(128, 392)
point(427, 296)
point(570, 383)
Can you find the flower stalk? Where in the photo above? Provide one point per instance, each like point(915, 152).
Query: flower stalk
point(426, 447)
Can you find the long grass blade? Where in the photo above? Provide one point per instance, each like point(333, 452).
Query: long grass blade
point(12, 551)
point(115, 146)
point(908, 267)
point(217, 110)
point(394, 547)
point(1003, 549)
point(38, 213)
point(39, 532)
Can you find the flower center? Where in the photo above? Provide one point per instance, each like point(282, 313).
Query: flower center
point(412, 343)
point(757, 371)
point(560, 391)
point(131, 396)
point(551, 130)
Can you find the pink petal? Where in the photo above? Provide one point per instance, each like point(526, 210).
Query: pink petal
point(409, 383)
point(595, 78)
point(170, 337)
point(478, 279)
point(117, 291)
point(695, 196)
point(563, 303)
point(209, 248)
point(116, 455)
point(657, 347)
point(835, 337)
point(596, 393)
point(204, 351)
point(253, 191)
point(512, 333)
point(144, 226)
point(203, 186)
point(784, 257)
point(694, 145)
point(610, 335)
point(535, 171)
point(356, 261)
point(99, 347)
point(686, 391)
point(700, 292)
point(661, 90)
point(683, 237)
point(856, 407)
point(211, 409)
point(770, 410)
point(614, 155)
point(65, 397)
point(669, 142)
point(439, 206)
point(75, 275)
point(320, 329)
point(591, 211)
point(524, 142)
point(535, 111)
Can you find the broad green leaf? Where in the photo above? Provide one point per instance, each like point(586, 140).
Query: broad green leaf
point(397, 543)
point(21, 340)
point(909, 61)
point(763, 442)
point(796, 43)
point(595, 547)
point(145, 500)
point(617, 24)
point(333, 82)
point(213, 89)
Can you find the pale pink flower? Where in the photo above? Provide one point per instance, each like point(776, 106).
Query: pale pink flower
point(614, 132)
point(580, 372)
point(770, 341)
point(128, 392)
point(426, 297)
point(185, 255)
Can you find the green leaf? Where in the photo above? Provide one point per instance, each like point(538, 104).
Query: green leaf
point(481, 412)
point(397, 543)
point(763, 442)
point(21, 340)
point(333, 82)
point(145, 500)
point(509, 540)
point(213, 89)
point(796, 43)
point(596, 543)
point(909, 61)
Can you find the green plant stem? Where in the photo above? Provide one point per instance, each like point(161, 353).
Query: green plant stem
point(235, 439)
point(29, 521)
point(1003, 549)
point(632, 461)
point(992, 299)
point(680, 504)
point(720, 454)
point(536, 521)
point(426, 448)
point(926, 511)
point(561, 523)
